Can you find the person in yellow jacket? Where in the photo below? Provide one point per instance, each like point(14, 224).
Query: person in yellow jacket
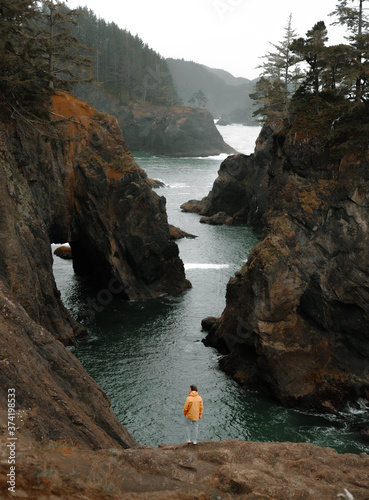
point(192, 411)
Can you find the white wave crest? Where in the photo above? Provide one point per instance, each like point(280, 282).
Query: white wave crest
point(205, 266)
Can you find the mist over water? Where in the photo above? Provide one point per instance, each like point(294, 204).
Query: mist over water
point(145, 354)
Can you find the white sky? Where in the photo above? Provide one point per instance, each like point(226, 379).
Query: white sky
point(227, 34)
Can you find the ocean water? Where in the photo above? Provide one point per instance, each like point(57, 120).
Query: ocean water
point(145, 354)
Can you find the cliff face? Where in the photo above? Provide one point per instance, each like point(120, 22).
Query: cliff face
point(55, 398)
point(239, 193)
point(296, 317)
point(171, 131)
point(74, 181)
point(85, 189)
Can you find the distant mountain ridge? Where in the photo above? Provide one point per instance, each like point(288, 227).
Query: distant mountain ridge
point(228, 96)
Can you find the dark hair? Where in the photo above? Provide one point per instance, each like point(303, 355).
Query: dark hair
point(193, 388)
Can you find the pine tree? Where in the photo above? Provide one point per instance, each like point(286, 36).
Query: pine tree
point(357, 70)
point(278, 82)
point(19, 70)
point(312, 50)
point(198, 99)
point(65, 58)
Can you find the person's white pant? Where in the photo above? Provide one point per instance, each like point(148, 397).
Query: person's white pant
point(192, 427)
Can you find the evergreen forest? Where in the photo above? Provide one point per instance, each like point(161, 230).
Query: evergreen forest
point(45, 47)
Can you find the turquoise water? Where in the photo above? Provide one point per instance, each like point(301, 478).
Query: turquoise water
point(145, 354)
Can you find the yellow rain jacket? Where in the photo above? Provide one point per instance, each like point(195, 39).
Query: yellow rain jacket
point(193, 407)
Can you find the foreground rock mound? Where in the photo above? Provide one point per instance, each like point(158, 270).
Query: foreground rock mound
point(296, 320)
point(221, 470)
point(76, 182)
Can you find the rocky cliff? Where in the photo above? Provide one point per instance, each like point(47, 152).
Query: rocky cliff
point(171, 131)
point(296, 316)
point(77, 182)
point(68, 442)
point(73, 180)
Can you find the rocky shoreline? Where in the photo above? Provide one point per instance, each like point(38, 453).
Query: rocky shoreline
point(85, 188)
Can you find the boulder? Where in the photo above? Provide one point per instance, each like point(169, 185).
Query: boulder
point(155, 184)
point(63, 252)
point(208, 322)
point(176, 233)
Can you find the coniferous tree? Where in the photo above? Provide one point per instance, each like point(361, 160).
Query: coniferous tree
point(350, 14)
point(278, 81)
point(312, 50)
point(65, 58)
point(198, 99)
point(125, 68)
point(20, 72)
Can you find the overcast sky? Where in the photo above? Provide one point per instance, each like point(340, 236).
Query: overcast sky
point(227, 34)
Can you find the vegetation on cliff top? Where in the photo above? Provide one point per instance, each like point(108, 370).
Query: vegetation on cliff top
point(39, 55)
point(45, 47)
point(319, 88)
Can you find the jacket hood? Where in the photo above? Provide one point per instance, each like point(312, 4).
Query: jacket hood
point(193, 393)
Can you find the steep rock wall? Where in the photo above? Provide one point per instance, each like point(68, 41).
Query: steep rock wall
point(54, 396)
point(71, 180)
point(76, 181)
point(296, 316)
point(239, 193)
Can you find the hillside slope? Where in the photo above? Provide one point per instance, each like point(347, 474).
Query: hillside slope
point(228, 97)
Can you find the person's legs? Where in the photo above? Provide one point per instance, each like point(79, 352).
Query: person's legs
point(196, 431)
point(188, 428)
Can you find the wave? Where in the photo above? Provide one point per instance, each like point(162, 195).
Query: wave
point(177, 185)
point(221, 156)
point(205, 266)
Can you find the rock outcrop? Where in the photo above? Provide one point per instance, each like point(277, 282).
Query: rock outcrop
point(239, 193)
point(78, 182)
point(221, 470)
point(71, 180)
point(296, 321)
point(64, 252)
point(53, 393)
point(171, 131)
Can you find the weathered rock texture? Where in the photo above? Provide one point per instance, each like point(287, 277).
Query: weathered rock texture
point(53, 393)
point(171, 131)
point(296, 320)
point(239, 193)
point(78, 182)
point(74, 181)
point(220, 470)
